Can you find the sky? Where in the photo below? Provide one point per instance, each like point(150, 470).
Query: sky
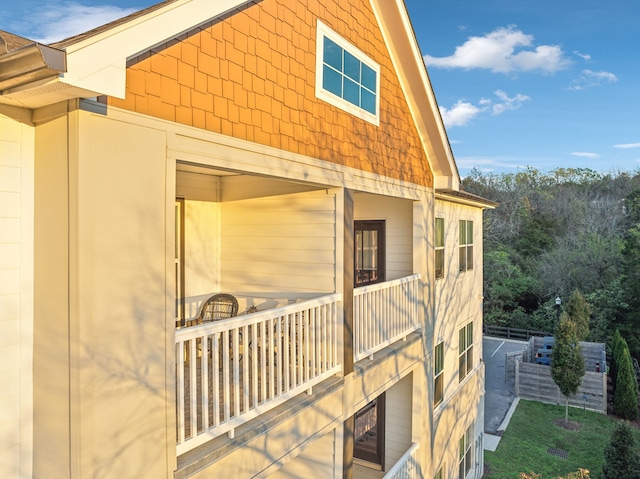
point(520, 83)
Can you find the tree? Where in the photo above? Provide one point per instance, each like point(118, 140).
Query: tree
point(579, 312)
point(621, 461)
point(567, 364)
point(625, 399)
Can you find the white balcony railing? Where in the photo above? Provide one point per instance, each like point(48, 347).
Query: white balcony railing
point(230, 371)
point(384, 313)
point(407, 466)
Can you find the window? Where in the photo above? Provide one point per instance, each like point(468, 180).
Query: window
point(346, 77)
point(438, 376)
point(465, 350)
point(466, 245)
point(369, 252)
point(439, 248)
point(465, 453)
point(439, 474)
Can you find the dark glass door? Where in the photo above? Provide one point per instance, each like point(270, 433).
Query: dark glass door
point(369, 432)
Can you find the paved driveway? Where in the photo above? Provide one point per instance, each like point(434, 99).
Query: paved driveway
point(499, 394)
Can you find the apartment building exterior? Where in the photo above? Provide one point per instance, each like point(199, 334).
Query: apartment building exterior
point(290, 154)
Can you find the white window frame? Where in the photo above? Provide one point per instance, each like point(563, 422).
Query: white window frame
point(323, 31)
point(465, 350)
point(438, 374)
point(439, 247)
point(465, 453)
point(466, 246)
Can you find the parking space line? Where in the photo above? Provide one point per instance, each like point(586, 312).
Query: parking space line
point(494, 353)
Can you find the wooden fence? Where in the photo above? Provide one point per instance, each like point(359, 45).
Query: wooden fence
point(512, 333)
point(534, 382)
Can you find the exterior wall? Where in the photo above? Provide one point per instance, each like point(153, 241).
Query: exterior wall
point(397, 214)
point(283, 244)
point(319, 460)
point(16, 297)
point(399, 410)
point(102, 317)
point(251, 75)
point(458, 301)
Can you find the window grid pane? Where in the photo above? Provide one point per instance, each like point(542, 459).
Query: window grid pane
point(347, 77)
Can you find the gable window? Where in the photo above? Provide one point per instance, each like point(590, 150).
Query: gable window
point(465, 453)
point(438, 375)
point(466, 245)
point(369, 252)
point(465, 351)
point(439, 247)
point(346, 77)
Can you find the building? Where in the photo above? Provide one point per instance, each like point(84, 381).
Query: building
point(288, 153)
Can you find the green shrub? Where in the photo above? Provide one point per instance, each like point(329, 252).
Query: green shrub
point(621, 461)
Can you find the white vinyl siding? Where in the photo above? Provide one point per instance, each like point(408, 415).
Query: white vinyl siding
point(16, 296)
point(317, 460)
point(398, 412)
point(280, 243)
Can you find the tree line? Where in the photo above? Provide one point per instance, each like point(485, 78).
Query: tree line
point(557, 232)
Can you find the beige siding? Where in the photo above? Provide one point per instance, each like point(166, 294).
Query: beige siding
point(319, 460)
point(279, 244)
point(16, 296)
point(398, 216)
point(398, 420)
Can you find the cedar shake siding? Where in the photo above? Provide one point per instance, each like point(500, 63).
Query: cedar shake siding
point(251, 74)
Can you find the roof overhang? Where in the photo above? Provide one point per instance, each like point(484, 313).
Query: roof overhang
point(28, 64)
point(96, 62)
point(399, 36)
point(464, 198)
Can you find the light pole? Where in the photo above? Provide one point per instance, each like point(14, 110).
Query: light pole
point(558, 305)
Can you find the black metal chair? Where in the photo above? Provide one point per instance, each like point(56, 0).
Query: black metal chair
point(217, 307)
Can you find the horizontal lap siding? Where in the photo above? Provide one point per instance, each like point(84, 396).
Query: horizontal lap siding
point(279, 244)
point(398, 420)
point(251, 75)
point(15, 218)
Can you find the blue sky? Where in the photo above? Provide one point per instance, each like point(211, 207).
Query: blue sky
point(546, 84)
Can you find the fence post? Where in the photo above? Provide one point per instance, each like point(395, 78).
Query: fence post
point(517, 386)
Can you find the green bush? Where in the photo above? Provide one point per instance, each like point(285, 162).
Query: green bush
point(621, 461)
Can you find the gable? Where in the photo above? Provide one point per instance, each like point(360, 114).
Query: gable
point(251, 74)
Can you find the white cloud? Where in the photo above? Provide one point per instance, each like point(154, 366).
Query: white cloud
point(585, 154)
point(60, 20)
point(508, 103)
point(584, 56)
point(504, 50)
point(589, 79)
point(459, 114)
point(485, 164)
point(463, 111)
point(626, 146)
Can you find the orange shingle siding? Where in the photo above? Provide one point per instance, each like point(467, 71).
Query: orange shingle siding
point(252, 75)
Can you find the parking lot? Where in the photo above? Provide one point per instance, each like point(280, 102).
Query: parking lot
point(499, 392)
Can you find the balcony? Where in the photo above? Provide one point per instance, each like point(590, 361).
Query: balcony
point(231, 371)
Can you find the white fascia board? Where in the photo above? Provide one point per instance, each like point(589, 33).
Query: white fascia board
point(98, 63)
point(399, 36)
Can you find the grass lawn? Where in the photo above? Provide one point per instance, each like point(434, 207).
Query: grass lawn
point(532, 430)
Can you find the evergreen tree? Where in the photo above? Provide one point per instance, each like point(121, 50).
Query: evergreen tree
point(579, 311)
point(625, 399)
point(567, 364)
point(616, 350)
point(621, 461)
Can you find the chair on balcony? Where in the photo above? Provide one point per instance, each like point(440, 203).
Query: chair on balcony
point(217, 307)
